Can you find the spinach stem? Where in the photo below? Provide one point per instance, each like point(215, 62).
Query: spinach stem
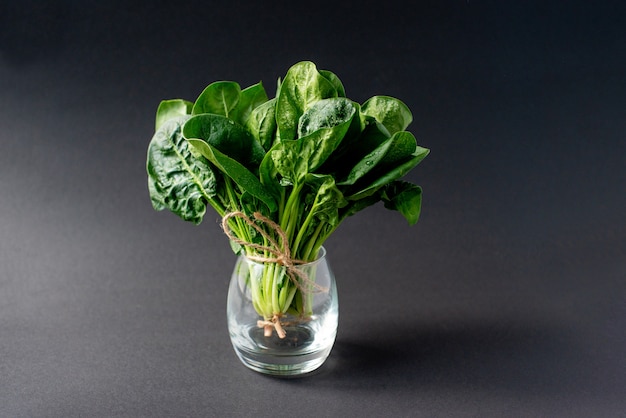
point(275, 305)
point(291, 210)
point(301, 233)
point(310, 251)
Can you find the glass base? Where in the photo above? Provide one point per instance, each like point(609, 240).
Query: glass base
point(296, 354)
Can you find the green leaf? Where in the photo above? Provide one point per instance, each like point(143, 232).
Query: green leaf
point(250, 98)
point(403, 146)
point(178, 179)
point(236, 171)
point(322, 128)
point(262, 123)
point(303, 85)
point(336, 82)
point(328, 198)
point(291, 160)
point(393, 151)
point(227, 136)
point(363, 136)
point(219, 98)
point(401, 157)
point(268, 175)
point(170, 109)
point(367, 164)
point(326, 113)
point(404, 197)
point(389, 111)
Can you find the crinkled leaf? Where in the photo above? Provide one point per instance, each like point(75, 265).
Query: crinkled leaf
point(303, 85)
point(219, 98)
point(389, 111)
point(236, 171)
point(227, 136)
point(170, 109)
point(178, 179)
point(291, 159)
point(328, 198)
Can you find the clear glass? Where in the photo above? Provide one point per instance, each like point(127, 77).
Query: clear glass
point(297, 331)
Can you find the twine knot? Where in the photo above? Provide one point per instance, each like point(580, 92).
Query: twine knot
point(269, 325)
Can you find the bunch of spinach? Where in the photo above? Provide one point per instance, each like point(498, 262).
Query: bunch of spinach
point(306, 159)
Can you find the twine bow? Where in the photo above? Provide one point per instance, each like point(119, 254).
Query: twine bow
point(280, 254)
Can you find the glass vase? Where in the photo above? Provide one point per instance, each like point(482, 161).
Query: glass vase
point(282, 319)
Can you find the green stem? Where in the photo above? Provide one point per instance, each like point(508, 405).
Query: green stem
point(291, 211)
point(301, 233)
point(217, 205)
point(310, 251)
point(241, 229)
point(268, 273)
point(292, 292)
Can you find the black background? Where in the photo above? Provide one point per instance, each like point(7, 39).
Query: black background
point(507, 299)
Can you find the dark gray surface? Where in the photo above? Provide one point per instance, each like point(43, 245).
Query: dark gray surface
point(507, 299)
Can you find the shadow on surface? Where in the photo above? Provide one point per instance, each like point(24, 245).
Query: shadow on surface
point(509, 357)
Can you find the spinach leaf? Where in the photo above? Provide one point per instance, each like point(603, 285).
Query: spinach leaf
point(219, 98)
point(328, 198)
point(290, 159)
point(268, 175)
point(303, 85)
point(237, 172)
point(178, 179)
point(389, 153)
point(250, 98)
point(326, 113)
point(389, 111)
point(322, 128)
point(335, 81)
point(403, 146)
point(262, 123)
point(170, 109)
point(364, 135)
point(323, 125)
point(368, 163)
point(404, 197)
point(402, 155)
point(226, 136)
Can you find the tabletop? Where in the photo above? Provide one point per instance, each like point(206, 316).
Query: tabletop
point(507, 298)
